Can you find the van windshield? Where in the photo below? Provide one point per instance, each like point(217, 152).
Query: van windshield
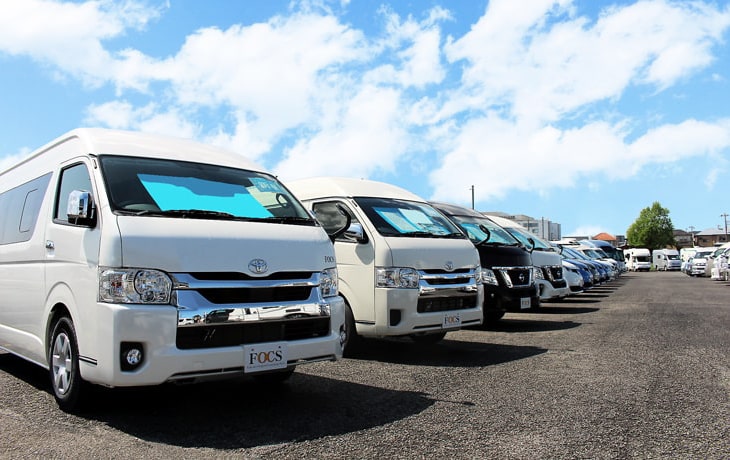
point(180, 189)
point(475, 227)
point(401, 218)
point(529, 239)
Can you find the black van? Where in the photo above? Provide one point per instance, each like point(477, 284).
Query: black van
point(509, 283)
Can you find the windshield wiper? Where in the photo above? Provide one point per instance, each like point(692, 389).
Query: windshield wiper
point(193, 213)
point(288, 220)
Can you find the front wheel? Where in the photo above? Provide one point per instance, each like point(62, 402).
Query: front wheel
point(63, 357)
point(428, 339)
point(352, 340)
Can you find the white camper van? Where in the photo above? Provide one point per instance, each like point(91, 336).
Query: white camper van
point(666, 259)
point(405, 269)
point(638, 259)
point(129, 259)
point(548, 263)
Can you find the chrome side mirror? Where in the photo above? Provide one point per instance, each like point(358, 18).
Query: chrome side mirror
point(80, 209)
point(356, 233)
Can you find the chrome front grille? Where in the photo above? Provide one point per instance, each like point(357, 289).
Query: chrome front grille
point(229, 309)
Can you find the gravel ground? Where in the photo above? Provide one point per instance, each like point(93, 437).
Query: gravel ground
point(638, 368)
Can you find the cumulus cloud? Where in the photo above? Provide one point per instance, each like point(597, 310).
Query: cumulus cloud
point(69, 36)
point(533, 107)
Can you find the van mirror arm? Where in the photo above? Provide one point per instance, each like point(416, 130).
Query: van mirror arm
point(532, 245)
point(348, 219)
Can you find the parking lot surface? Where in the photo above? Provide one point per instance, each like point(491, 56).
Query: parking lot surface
point(637, 368)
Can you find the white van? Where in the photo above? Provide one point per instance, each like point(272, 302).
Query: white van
point(129, 259)
point(405, 269)
point(547, 262)
point(638, 259)
point(666, 259)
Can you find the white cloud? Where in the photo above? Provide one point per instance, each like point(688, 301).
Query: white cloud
point(543, 65)
point(314, 95)
point(150, 118)
point(69, 36)
point(367, 138)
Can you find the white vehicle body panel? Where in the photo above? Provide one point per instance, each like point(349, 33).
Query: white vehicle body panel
point(58, 268)
point(638, 259)
point(375, 307)
point(666, 259)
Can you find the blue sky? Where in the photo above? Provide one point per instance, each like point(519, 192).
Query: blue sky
point(581, 112)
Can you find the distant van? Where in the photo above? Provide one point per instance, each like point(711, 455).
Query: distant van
point(405, 269)
point(638, 259)
point(129, 259)
point(666, 260)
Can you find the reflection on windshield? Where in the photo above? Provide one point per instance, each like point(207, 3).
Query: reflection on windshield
point(524, 236)
point(144, 186)
point(402, 218)
point(474, 229)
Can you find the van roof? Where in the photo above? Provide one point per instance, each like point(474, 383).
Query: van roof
point(139, 144)
point(455, 210)
point(324, 187)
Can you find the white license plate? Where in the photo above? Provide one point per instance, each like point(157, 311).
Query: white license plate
point(264, 357)
point(525, 303)
point(451, 320)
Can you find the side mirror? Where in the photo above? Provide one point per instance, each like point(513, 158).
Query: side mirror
point(532, 244)
point(80, 209)
point(355, 232)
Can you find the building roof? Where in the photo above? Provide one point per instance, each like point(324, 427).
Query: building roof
point(604, 237)
point(711, 231)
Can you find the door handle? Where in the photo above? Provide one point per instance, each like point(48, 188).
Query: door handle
point(50, 244)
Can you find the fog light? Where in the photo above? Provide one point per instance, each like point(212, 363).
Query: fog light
point(132, 356)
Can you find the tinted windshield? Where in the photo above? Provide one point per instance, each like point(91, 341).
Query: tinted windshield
point(474, 228)
point(524, 237)
point(572, 253)
point(144, 186)
point(403, 218)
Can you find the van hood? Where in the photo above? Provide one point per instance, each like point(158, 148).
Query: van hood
point(197, 245)
point(432, 253)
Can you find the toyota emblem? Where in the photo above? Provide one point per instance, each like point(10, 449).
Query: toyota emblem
point(522, 277)
point(258, 266)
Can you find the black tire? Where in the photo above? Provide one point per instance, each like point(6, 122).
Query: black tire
point(353, 341)
point(275, 377)
point(428, 339)
point(492, 317)
point(63, 366)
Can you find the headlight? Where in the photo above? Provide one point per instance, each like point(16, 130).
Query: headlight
point(134, 285)
point(489, 277)
point(328, 283)
point(396, 277)
point(537, 271)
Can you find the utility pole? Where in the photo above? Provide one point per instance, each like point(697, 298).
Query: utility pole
point(472, 198)
point(724, 216)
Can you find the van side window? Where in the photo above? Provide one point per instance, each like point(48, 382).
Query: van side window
point(19, 209)
point(74, 177)
point(330, 217)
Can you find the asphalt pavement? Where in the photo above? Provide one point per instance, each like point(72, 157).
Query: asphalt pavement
point(637, 368)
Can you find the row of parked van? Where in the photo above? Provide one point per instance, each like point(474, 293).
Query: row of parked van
point(129, 259)
point(711, 262)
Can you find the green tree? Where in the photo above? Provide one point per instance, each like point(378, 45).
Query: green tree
point(653, 229)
